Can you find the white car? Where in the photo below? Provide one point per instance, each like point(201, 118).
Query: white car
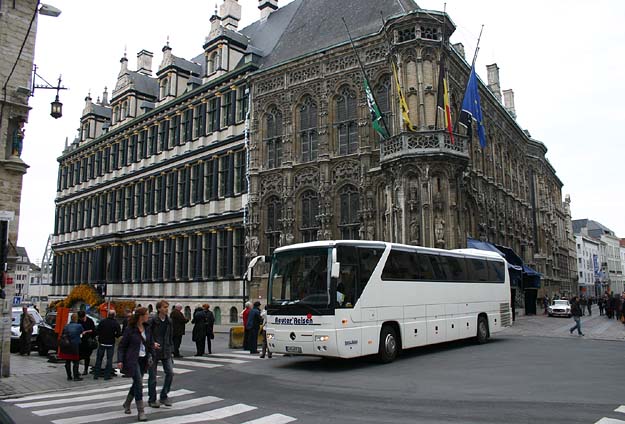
point(559, 308)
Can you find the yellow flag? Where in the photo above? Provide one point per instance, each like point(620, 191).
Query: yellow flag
point(402, 100)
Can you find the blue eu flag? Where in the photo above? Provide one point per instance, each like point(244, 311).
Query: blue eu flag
point(472, 109)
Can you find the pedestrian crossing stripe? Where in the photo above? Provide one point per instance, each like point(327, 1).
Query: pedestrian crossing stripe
point(272, 419)
point(215, 414)
point(73, 393)
point(206, 400)
point(98, 405)
point(197, 364)
point(217, 359)
point(620, 409)
point(119, 393)
point(610, 421)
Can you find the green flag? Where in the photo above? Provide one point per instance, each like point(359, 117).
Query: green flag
point(376, 117)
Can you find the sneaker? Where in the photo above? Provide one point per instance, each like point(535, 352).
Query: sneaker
point(154, 404)
point(166, 402)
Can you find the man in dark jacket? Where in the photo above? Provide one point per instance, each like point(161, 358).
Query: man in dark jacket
point(163, 333)
point(576, 311)
point(107, 331)
point(253, 327)
point(27, 323)
point(179, 321)
point(87, 336)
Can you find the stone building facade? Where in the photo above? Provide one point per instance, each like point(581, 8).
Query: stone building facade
point(18, 26)
point(317, 169)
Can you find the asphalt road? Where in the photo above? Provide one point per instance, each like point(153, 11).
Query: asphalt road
point(512, 379)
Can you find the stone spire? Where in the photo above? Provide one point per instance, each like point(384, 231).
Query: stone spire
point(215, 21)
point(124, 65)
point(105, 98)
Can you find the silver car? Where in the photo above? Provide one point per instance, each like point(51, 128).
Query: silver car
point(559, 308)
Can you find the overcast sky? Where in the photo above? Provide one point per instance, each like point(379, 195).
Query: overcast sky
point(564, 59)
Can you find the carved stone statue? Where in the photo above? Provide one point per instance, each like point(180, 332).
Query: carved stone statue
point(439, 230)
point(18, 140)
point(251, 246)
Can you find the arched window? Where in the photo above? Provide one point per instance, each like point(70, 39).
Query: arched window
point(308, 129)
point(187, 312)
point(273, 138)
point(234, 316)
point(125, 109)
point(310, 210)
point(164, 87)
point(345, 121)
point(349, 223)
point(382, 93)
point(217, 313)
point(117, 114)
point(274, 215)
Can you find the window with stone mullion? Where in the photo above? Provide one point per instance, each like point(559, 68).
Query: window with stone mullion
point(273, 138)
point(274, 216)
point(310, 210)
point(308, 130)
point(383, 98)
point(349, 223)
point(346, 122)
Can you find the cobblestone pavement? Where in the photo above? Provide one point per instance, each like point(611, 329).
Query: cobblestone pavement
point(594, 327)
point(34, 374)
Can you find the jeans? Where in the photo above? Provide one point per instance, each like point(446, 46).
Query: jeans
point(578, 325)
point(168, 368)
point(136, 390)
point(109, 361)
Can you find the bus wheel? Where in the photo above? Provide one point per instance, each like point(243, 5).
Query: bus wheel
point(482, 330)
point(388, 345)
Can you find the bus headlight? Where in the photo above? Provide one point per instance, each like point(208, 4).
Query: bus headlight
point(322, 338)
point(269, 336)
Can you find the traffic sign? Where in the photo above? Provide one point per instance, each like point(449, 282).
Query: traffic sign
point(17, 300)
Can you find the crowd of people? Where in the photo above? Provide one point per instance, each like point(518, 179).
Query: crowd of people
point(145, 341)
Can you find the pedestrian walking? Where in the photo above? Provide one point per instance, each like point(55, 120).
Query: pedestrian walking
point(600, 305)
point(582, 304)
point(253, 327)
point(589, 306)
point(163, 335)
point(127, 316)
point(107, 332)
point(179, 322)
point(244, 314)
point(545, 304)
point(69, 347)
point(576, 311)
point(134, 356)
point(199, 330)
point(27, 323)
point(88, 342)
point(210, 326)
point(265, 348)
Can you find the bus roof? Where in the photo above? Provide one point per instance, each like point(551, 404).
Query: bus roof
point(384, 244)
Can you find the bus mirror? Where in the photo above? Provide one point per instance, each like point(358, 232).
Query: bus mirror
point(336, 270)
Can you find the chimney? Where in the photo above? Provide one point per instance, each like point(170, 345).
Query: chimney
point(266, 7)
point(459, 47)
point(124, 68)
point(230, 12)
point(144, 62)
point(493, 80)
point(105, 98)
point(508, 102)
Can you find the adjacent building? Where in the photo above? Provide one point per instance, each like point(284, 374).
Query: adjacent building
point(590, 278)
point(265, 139)
point(610, 260)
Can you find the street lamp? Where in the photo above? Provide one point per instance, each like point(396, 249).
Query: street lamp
point(56, 107)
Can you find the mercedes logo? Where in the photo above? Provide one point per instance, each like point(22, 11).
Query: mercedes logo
point(292, 336)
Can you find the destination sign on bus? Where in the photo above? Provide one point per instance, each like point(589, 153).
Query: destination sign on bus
point(293, 321)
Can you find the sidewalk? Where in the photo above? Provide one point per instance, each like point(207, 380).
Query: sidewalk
point(594, 327)
point(34, 374)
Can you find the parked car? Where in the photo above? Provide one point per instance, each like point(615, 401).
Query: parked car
point(560, 308)
point(43, 338)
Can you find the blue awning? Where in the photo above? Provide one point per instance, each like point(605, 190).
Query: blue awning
point(531, 278)
point(511, 256)
point(482, 245)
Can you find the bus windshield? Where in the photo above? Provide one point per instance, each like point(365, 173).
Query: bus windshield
point(300, 277)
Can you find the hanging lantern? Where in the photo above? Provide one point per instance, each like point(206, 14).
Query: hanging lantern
point(56, 108)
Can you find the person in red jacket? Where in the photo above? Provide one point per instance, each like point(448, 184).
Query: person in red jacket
point(244, 314)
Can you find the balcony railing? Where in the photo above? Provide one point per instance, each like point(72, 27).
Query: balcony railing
point(423, 143)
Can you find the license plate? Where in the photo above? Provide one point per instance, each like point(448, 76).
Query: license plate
point(294, 349)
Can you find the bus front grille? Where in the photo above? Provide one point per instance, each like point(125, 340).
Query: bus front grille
point(504, 312)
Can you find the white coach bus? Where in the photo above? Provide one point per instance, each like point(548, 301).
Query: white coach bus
point(355, 298)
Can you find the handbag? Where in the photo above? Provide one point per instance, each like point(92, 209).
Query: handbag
point(92, 343)
point(65, 343)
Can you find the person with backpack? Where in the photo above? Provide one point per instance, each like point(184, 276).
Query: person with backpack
point(134, 355)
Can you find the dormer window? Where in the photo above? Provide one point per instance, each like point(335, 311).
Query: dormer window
point(125, 109)
point(117, 114)
point(213, 63)
point(164, 87)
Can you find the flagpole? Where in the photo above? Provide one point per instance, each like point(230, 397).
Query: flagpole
point(477, 46)
point(364, 75)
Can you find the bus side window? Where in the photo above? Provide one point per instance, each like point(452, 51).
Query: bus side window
point(437, 267)
point(496, 271)
point(369, 259)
